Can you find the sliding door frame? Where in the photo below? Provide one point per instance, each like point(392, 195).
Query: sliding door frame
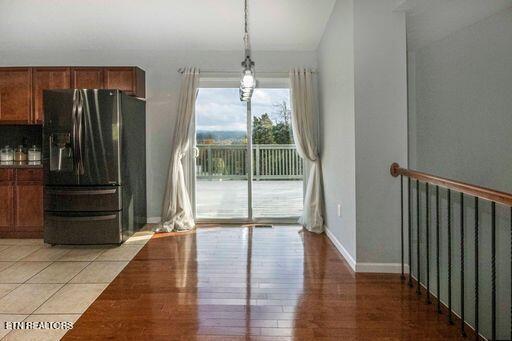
point(232, 80)
point(248, 162)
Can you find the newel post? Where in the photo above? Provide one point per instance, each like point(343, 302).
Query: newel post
point(394, 169)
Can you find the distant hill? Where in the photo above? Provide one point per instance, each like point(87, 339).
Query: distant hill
point(220, 136)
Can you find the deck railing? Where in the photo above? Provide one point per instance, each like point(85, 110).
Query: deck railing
point(271, 162)
point(437, 217)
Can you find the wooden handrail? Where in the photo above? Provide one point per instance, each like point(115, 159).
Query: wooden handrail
point(477, 191)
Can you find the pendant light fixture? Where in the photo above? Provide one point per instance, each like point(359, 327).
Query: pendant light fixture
point(248, 82)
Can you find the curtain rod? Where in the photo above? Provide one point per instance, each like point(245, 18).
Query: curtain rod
point(181, 70)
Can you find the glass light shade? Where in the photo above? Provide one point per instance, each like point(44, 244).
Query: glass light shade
point(247, 85)
point(248, 79)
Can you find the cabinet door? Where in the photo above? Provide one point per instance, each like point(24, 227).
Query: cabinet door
point(15, 95)
point(46, 79)
point(28, 200)
point(6, 208)
point(29, 206)
point(128, 79)
point(87, 78)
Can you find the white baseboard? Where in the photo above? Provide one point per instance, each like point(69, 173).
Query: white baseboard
point(351, 261)
point(391, 268)
point(153, 220)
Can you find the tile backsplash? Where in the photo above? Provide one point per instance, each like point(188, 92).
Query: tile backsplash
point(14, 135)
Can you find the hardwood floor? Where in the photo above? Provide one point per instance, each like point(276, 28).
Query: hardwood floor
point(254, 283)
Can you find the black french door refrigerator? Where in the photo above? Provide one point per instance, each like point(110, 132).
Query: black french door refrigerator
point(94, 157)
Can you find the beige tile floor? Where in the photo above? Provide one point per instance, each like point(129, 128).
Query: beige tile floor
point(40, 283)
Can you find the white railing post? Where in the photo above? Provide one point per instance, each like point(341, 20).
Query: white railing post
point(270, 162)
point(210, 161)
point(257, 163)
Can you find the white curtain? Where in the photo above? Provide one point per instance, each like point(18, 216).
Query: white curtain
point(177, 212)
point(305, 125)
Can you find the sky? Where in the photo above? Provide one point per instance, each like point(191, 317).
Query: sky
point(220, 109)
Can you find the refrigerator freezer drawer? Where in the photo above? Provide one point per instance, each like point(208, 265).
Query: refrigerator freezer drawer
point(82, 199)
point(83, 228)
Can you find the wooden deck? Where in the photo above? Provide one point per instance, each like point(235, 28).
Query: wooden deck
point(228, 198)
point(255, 284)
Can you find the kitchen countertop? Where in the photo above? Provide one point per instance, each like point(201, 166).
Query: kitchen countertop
point(20, 165)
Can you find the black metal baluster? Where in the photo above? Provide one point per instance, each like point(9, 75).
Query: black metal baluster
point(427, 227)
point(462, 322)
point(409, 227)
point(402, 222)
point(493, 271)
point(450, 320)
point(418, 287)
point(438, 280)
point(476, 271)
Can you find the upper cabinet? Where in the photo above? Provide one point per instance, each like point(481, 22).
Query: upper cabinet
point(21, 88)
point(46, 79)
point(87, 78)
point(131, 80)
point(15, 95)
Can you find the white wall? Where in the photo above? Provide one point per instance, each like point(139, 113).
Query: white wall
point(411, 108)
point(362, 61)
point(463, 104)
point(336, 65)
point(463, 124)
point(162, 87)
point(381, 126)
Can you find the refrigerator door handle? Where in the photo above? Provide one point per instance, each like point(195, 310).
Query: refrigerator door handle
point(77, 117)
point(50, 149)
point(74, 129)
point(80, 110)
point(83, 218)
point(82, 192)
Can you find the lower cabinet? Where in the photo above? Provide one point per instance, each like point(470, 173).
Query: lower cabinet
point(21, 193)
point(7, 207)
point(29, 207)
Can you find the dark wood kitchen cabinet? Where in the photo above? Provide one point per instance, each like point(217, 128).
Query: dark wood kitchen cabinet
point(46, 78)
point(7, 200)
point(87, 78)
point(21, 193)
point(131, 80)
point(28, 200)
point(21, 88)
point(15, 95)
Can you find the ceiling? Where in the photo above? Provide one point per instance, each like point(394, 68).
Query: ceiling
point(161, 24)
point(209, 24)
point(432, 20)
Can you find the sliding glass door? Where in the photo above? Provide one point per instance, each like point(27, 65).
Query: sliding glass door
point(246, 165)
point(221, 155)
point(277, 167)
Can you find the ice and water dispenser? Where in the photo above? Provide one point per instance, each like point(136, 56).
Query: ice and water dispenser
point(61, 152)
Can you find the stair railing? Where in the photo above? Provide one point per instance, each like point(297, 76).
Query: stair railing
point(477, 194)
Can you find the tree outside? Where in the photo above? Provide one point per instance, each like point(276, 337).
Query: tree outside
point(262, 132)
point(279, 131)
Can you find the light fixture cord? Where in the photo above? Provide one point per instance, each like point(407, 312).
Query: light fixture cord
point(246, 30)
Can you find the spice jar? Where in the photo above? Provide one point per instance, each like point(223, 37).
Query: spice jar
point(34, 154)
point(6, 154)
point(19, 154)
